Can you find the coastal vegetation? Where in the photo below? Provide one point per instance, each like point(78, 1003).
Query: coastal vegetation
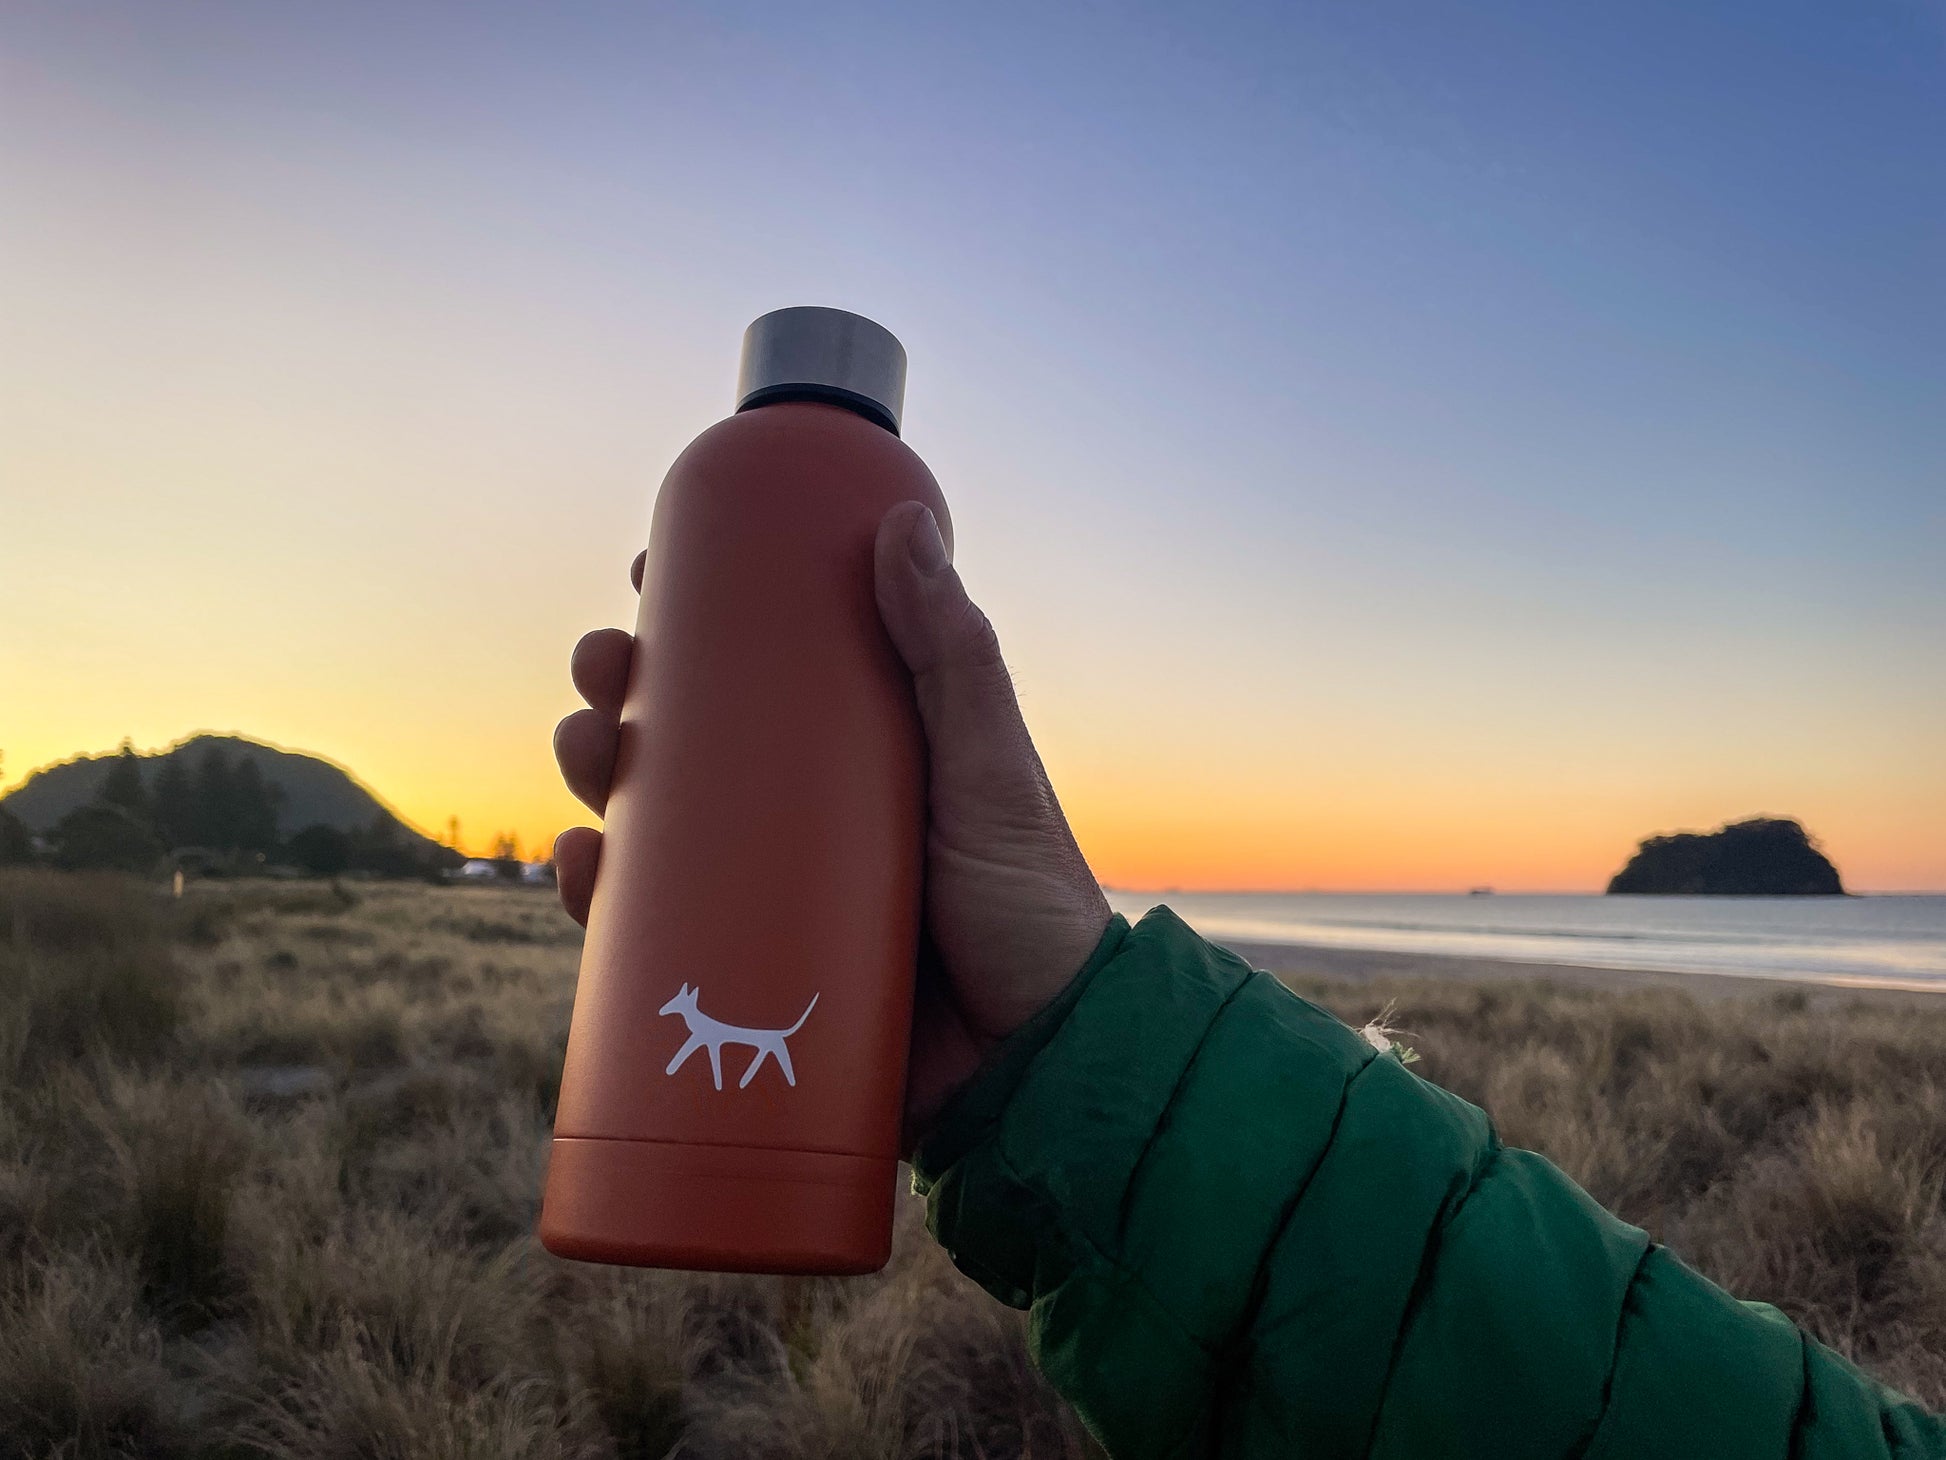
point(270, 1156)
point(214, 804)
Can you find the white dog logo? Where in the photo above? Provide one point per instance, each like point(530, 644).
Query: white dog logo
point(708, 1033)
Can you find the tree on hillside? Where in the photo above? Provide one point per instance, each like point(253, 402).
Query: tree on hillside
point(124, 787)
point(324, 850)
point(233, 808)
point(16, 842)
point(104, 837)
point(174, 798)
point(378, 847)
point(214, 800)
point(254, 807)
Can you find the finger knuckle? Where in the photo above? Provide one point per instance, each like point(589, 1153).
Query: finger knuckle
point(974, 641)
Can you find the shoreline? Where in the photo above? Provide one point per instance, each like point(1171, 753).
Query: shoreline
point(1369, 965)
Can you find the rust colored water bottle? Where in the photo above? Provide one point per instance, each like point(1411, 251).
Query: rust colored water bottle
point(736, 1064)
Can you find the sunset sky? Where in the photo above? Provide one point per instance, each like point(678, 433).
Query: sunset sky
point(1401, 446)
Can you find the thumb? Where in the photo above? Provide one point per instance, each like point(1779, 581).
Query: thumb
point(974, 732)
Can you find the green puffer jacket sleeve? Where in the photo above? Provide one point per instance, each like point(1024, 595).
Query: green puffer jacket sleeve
point(1241, 1231)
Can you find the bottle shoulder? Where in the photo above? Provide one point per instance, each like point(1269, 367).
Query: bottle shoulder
point(803, 446)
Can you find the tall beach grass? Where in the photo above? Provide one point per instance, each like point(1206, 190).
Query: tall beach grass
point(270, 1159)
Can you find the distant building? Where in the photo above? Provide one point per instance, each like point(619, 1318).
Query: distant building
point(503, 869)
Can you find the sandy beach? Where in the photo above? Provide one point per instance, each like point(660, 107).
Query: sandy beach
point(1366, 965)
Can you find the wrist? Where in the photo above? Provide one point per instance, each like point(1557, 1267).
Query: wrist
point(965, 1114)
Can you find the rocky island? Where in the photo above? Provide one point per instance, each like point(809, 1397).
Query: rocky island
point(1763, 857)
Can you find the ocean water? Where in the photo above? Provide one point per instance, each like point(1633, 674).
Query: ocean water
point(1897, 942)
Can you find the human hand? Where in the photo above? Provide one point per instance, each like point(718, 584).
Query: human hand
point(1011, 909)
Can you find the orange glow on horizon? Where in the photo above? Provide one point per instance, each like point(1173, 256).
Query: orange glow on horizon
point(340, 376)
point(1195, 834)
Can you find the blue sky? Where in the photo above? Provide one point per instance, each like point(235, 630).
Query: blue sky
point(1362, 420)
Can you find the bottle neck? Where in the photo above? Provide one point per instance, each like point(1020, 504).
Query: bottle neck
point(830, 395)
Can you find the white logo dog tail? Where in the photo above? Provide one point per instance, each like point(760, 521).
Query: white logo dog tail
point(802, 1017)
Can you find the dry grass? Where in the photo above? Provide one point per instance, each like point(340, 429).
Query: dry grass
point(269, 1162)
point(1791, 1146)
